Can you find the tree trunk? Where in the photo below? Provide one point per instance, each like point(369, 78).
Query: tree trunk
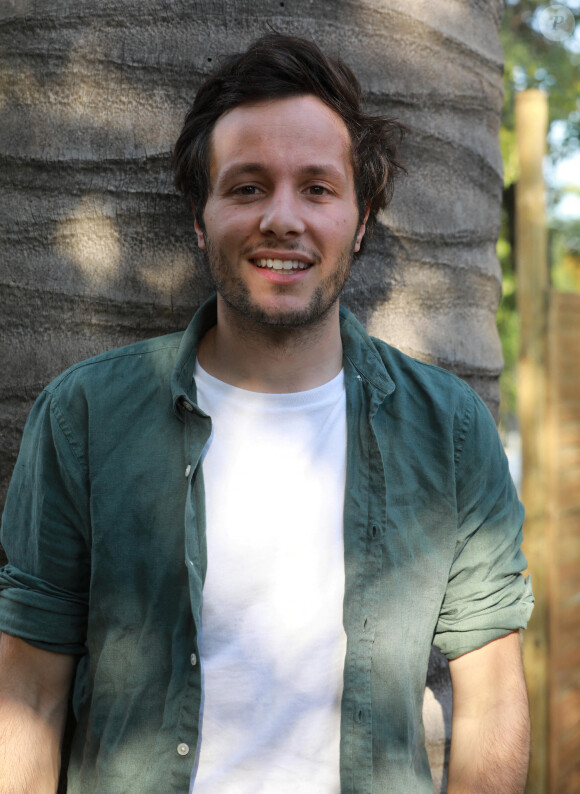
point(98, 250)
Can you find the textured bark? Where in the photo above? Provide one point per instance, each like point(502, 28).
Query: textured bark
point(98, 250)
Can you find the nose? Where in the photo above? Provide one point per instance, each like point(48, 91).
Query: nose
point(283, 215)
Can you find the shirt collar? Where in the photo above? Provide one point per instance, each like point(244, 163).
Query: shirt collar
point(182, 383)
point(361, 352)
point(358, 349)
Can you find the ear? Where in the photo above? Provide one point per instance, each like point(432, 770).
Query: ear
point(361, 230)
point(200, 235)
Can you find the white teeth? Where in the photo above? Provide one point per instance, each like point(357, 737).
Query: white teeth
point(281, 264)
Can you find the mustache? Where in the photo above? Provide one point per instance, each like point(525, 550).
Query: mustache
point(290, 247)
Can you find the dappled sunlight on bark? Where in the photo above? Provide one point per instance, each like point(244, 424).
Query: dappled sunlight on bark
point(89, 237)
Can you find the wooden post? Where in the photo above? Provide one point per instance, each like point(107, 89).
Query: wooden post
point(533, 300)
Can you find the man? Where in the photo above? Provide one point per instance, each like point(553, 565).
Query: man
point(241, 541)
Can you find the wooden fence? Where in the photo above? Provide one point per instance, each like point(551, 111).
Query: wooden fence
point(563, 542)
point(549, 418)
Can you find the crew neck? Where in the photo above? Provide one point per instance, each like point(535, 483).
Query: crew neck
point(323, 392)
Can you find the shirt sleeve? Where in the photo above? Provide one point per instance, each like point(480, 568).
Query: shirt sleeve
point(45, 533)
point(486, 597)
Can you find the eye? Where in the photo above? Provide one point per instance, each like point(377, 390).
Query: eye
point(317, 190)
point(247, 190)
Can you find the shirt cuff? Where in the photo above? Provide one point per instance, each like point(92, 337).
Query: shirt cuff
point(46, 616)
point(475, 631)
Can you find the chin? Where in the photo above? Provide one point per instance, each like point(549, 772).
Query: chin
point(297, 316)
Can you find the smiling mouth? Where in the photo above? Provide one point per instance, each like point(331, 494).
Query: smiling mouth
point(282, 265)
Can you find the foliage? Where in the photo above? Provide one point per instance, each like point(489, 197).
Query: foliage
point(532, 61)
point(565, 255)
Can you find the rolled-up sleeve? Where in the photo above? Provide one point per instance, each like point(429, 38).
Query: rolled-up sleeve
point(487, 595)
point(46, 535)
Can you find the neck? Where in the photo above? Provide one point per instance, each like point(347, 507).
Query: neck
point(262, 358)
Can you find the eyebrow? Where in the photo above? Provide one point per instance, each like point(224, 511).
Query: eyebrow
point(240, 169)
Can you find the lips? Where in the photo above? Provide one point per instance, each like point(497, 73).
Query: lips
point(282, 265)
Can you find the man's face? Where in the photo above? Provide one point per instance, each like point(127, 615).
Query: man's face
point(281, 219)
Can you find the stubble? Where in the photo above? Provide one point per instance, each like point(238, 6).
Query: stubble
point(234, 291)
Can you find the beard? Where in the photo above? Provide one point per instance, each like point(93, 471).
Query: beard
point(236, 294)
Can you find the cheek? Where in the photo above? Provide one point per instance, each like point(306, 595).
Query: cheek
point(229, 226)
point(346, 228)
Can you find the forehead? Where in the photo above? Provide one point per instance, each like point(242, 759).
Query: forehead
point(294, 132)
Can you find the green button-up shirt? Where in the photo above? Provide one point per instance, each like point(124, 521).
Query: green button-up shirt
point(104, 528)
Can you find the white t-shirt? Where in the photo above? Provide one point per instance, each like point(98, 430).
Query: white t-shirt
point(272, 642)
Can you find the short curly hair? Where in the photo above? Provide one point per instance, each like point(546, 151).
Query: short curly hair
point(277, 66)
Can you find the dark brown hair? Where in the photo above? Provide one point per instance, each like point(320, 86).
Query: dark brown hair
point(278, 66)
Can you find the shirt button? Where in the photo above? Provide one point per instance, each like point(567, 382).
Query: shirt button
point(187, 470)
point(187, 406)
point(183, 748)
point(193, 659)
